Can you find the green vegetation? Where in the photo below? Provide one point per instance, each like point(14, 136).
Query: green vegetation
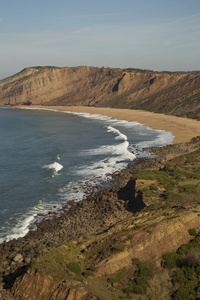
point(120, 247)
point(139, 283)
point(79, 278)
point(169, 190)
point(192, 231)
point(188, 188)
point(175, 183)
point(186, 264)
point(117, 278)
point(74, 267)
point(138, 226)
point(88, 273)
point(170, 260)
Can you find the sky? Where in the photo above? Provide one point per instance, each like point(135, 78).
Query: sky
point(148, 34)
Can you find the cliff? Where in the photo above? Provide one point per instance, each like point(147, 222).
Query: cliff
point(170, 93)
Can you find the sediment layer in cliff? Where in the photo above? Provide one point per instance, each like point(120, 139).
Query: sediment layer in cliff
point(170, 93)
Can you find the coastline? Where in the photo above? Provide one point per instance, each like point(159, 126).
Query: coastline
point(99, 212)
point(111, 113)
point(183, 129)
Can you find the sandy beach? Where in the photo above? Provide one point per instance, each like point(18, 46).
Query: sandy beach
point(183, 129)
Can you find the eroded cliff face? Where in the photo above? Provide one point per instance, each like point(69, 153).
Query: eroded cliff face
point(175, 93)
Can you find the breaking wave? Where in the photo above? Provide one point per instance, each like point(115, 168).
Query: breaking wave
point(55, 167)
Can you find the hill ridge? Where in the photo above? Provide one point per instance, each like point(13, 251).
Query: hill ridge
point(163, 92)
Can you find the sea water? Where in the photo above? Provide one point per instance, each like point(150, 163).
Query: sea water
point(49, 157)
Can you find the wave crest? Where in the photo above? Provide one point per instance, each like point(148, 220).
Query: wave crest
point(56, 167)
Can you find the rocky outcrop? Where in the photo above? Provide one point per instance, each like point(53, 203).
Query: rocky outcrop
point(174, 93)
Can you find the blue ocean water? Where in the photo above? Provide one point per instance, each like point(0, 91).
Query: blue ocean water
point(49, 157)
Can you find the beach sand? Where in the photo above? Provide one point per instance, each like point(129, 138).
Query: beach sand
point(183, 129)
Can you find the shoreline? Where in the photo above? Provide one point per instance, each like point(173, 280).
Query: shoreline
point(154, 121)
point(183, 129)
point(98, 213)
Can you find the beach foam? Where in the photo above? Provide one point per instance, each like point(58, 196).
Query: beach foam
point(98, 173)
point(56, 167)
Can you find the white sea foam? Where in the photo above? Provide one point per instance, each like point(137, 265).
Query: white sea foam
point(163, 138)
point(56, 167)
point(20, 229)
point(95, 173)
point(24, 222)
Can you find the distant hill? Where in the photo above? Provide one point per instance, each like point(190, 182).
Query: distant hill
point(174, 93)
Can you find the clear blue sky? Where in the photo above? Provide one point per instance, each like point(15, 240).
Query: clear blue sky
point(150, 34)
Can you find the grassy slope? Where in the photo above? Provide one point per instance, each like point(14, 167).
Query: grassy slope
point(171, 190)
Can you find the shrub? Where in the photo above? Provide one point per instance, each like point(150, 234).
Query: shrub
point(141, 280)
point(117, 278)
point(130, 237)
point(92, 268)
point(192, 258)
point(127, 229)
point(74, 267)
point(170, 260)
point(139, 289)
point(187, 188)
point(79, 278)
point(183, 249)
point(179, 276)
point(192, 176)
point(88, 273)
point(120, 247)
point(153, 187)
point(186, 291)
point(137, 227)
point(144, 269)
point(135, 261)
point(192, 231)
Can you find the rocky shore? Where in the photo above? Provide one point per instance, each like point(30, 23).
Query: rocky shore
point(93, 216)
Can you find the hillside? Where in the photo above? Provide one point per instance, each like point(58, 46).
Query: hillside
point(170, 93)
point(136, 240)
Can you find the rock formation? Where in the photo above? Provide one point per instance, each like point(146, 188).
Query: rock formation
point(170, 93)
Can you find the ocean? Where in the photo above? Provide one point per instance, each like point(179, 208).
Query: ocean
point(49, 157)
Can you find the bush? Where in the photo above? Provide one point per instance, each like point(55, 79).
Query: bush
point(120, 247)
point(192, 258)
point(88, 273)
point(192, 231)
point(179, 276)
point(74, 267)
point(92, 268)
point(78, 278)
point(170, 260)
point(188, 188)
point(144, 269)
point(141, 280)
point(186, 291)
point(135, 261)
point(139, 289)
point(137, 227)
point(153, 187)
point(117, 278)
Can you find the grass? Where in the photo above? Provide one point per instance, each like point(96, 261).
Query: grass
point(58, 262)
point(175, 183)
